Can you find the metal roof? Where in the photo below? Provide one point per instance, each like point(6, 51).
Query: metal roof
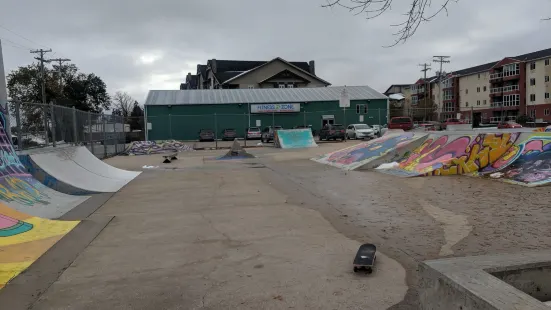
point(259, 95)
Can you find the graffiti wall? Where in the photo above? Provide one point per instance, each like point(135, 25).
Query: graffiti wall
point(459, 154)
point(24, 238)
point(294, 138)
point(356, 156)
point(531, 163)
point(152, 147)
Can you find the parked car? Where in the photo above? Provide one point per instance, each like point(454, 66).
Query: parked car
point(253, 133)
point(427, 127)
point(378, 130)
point(206, 135)
point(450, 121)
point(401, 122)
point(268, 133)
point(332, 132)
point(229, 134)
point(508, 124)
point(360, 131)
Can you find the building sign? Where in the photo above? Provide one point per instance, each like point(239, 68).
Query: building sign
point(275, 108)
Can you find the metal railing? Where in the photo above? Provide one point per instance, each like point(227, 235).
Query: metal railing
point(504, 89)
point(494, 76)
point(36, 125)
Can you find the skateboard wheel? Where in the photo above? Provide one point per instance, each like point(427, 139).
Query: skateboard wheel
point(355, 269)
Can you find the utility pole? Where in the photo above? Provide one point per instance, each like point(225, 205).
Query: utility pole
point(43, 82)
point(60, 61)
point(426, 67)
point(42, 74)
point(442, 60)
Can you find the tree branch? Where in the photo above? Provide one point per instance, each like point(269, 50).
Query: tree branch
point(416, 14)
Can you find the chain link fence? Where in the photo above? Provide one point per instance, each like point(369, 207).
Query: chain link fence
point(36, 125)
point(224, 126)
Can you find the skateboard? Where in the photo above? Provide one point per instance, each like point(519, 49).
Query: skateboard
point(169, 158)
point(365, 258)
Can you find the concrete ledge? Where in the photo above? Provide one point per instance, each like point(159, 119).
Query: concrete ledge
point(479, 282)
point(26, 288)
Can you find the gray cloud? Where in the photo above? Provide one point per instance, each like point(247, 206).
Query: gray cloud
point(111, 38)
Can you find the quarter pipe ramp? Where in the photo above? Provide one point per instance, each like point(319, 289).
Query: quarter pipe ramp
point(75, 171)
point(294, 138)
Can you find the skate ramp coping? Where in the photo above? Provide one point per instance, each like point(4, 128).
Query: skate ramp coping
point(456, 127)
point(74, 170)
point(294, 138)
point(506, 281)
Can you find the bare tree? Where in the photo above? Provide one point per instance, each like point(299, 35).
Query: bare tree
point(417, 13)
point(123, 104)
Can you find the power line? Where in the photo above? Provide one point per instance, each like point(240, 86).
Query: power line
point(43, 80)
point(14, 44)
point(442, 60)
point(21, 36)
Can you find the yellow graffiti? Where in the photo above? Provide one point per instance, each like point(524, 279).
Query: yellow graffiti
point(20, 191)
point(478, 155)
point(18, 252)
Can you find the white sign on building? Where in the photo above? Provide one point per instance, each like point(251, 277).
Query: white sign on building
point(275, 108)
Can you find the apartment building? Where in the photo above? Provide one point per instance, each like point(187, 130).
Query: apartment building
point(506, 89)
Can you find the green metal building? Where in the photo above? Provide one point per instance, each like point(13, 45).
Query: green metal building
point(181, 114)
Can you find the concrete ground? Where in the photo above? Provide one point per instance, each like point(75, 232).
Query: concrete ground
point(206, 234)
point(280, 231)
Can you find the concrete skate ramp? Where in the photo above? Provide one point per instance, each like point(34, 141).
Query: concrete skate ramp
point(372, 153)
point(530, 163)
point(24, 238)
point(450, 154)
point(235, 152)
point(20, 191)
point(295, 139)
point(70, 170)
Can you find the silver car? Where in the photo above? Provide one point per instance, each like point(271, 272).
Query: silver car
point(360, 131)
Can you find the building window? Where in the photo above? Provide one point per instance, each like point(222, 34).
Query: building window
point(546, 95)
point(547, 78)
point(533, 113)
point(466, 91)
point(484, 88)
point(361, 109)
point(546, 112)
point(532, 81)
point(532, 66)
point(532, 97)
point(484, 101)
point(251, 86)
point(511, 70)
point(478, 89)
point(290, 86)
point(510, 101)
point(281, 85)
point(478, 102)
point(414, 100)
point(466, 104)
point(479, 76)
point(547, 62)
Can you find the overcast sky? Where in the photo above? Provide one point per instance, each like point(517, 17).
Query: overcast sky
point(136, 46)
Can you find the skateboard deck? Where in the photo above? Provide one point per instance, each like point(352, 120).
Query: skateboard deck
point(169, 157)
point(365, 258)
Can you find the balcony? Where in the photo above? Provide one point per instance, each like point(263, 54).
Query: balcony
point(497, 119)
point(504, 89)
point(496, 104)
point(495, 76)
point(419, 90)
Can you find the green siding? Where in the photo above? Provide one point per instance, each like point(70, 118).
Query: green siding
point(183, 122)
